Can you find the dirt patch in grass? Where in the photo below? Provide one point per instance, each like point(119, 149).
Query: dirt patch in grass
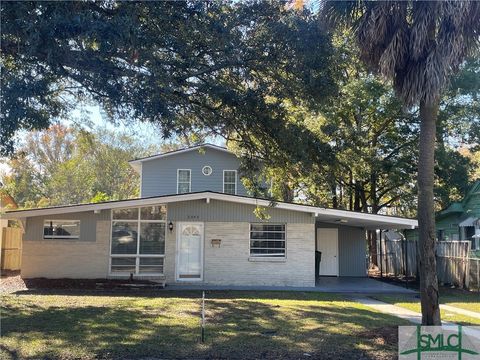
point(12, 282)
point(387, 335)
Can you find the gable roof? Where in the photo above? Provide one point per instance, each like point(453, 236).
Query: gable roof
point(136, 163)
point(460, 207)
point(334, 216)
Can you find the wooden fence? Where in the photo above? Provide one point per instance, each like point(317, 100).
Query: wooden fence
point(454, 265)
point(11, 248)
point(474, 274)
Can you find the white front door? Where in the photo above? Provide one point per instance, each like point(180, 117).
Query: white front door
point(327, 243)
point(189, 251)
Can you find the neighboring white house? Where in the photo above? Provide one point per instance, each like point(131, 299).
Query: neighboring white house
point(195, 222)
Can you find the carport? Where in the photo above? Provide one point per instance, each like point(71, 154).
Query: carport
point(341, 243)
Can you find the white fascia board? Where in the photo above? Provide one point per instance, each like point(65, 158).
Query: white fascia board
point(318, 211)
point(315, 211)
point(104, 206)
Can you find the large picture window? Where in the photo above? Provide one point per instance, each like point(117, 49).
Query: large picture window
point(138, 240)
point(184, 181)
point(61, 229)
point(267, 240)
point(230, 182)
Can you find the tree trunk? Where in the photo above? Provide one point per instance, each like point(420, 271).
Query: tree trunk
point(333, 189)
point(426, 218)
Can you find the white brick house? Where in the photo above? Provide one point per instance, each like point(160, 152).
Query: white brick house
point(198, 234)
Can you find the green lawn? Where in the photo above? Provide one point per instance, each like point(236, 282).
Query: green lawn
point(165, 325)
point(460, 299)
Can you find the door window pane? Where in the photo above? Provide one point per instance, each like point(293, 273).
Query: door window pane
point(124, 237)
point(123, 265)
point(152, 238)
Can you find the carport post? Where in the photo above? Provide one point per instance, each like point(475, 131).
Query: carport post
point(405, 258)
point(381, 257)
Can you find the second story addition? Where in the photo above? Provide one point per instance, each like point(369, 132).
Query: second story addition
point(198, 168)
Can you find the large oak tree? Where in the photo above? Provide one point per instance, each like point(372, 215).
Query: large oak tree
point(220, 66)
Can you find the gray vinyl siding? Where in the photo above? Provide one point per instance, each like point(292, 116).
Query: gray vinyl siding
point(351, 249)
point(224, 211)
point(159, 176)
point(88, 225)
point(195, 210)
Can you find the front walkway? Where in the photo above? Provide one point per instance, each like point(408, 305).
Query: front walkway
point(346, 285)
point(390, 309)
point(394, 310)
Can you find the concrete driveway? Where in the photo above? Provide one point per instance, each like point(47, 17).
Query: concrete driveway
point(361, 285)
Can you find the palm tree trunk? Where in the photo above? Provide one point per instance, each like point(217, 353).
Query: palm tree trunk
point(426, 218)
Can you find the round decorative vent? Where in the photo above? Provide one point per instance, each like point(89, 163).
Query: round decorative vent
point(207, 170)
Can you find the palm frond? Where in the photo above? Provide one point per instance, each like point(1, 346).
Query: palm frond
point(417, 44)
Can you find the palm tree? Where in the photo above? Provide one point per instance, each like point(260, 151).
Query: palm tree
point(418, 45)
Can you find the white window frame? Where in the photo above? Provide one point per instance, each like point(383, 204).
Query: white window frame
point(207, 166)
point(189, 183)
point(235, 171)
point(137, 256)
point(267, 256)
point(61, 237)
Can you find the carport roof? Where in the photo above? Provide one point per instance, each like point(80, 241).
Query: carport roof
point(333, 216)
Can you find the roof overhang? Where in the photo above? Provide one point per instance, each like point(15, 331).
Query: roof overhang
point(334, 216)
point(470, 221)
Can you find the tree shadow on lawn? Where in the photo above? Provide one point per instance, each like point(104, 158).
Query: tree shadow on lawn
point(238, 326)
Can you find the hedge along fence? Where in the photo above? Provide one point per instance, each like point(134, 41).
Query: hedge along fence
point(454, 266)
point(11, 248)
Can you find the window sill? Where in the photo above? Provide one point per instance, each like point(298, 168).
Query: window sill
point(266, 259)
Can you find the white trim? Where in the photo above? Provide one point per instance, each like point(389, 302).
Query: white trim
point(207, 166)
point(141, 178)
point(380, 220)
point(136, 163)
point(62, 237)
point(230, 183)
point(189, 183)
point(137, 256)
point(267, 257)
point(177, 252)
